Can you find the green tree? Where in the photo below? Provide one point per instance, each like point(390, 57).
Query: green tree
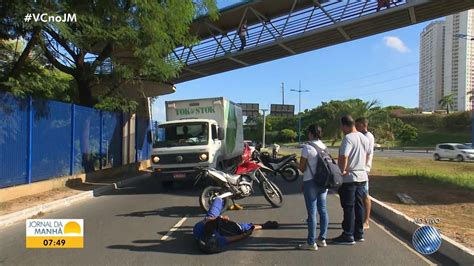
point(287, 135)
point(447, 102)
point(407, 134)
point(383, 134)
point(37, 78)
point(146, 31)
point(328, 114)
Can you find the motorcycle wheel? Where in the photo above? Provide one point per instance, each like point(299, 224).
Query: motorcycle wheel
point(208, 195)
point(290, 173)
point(272, 193)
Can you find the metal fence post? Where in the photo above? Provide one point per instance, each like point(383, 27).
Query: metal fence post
point(101, 137)
point(136, 138)
point(129, 128)
point(121, 139)
point(29, 127)
point(73, 129)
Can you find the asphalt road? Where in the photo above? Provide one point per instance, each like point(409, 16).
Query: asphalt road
point(386, 153)
point(126, 228)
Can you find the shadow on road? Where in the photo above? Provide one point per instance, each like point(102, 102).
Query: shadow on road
point(182, 242)
point(175, 211)
point(302, 226)
point(181, 211)
point(152, 186)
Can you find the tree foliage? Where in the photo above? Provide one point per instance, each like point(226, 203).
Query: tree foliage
point(407, 134)
point(287, 135)
point(447, 102)
point(37, 78)
point(385, 126)
point(112, 43)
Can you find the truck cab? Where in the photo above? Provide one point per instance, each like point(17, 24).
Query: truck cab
point(184, 143)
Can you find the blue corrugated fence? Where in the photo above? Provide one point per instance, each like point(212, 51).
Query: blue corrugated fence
point(43, 139)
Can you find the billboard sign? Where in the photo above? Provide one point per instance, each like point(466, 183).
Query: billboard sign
point(249, 109)
point(282, 110)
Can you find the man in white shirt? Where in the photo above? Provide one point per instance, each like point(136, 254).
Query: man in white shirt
point(352, 161)
point(362, 125)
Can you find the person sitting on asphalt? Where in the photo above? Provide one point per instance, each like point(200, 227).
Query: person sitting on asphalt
point(215, 232)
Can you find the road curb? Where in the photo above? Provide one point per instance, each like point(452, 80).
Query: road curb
point(449, 249)
point(9, 219)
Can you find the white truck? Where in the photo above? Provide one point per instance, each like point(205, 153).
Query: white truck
point(197, 132)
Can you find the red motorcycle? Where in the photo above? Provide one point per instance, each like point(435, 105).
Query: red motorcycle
point(239, 185)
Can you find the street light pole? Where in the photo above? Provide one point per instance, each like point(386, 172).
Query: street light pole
point(264, 124)
point(283, 93)
point(299, 91)
point(469, 38)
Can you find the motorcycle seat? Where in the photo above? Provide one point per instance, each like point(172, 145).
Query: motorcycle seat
point(233, 179)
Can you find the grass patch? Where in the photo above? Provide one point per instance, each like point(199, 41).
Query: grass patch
point(432, 138)
point(427, 170)
point(460, 174)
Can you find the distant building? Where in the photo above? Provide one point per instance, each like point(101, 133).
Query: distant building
point(459, 59)
point(447, 62)
point(431, 66)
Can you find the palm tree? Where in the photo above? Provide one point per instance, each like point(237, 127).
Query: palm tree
point(447, 102)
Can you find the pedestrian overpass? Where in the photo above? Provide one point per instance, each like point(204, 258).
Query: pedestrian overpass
point(280, 28)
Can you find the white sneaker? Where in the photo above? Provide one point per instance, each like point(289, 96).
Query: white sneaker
point(307, 246)
point(321, 243)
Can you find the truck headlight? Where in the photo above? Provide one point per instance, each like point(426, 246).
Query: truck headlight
point(203, 157)
point(155, 159)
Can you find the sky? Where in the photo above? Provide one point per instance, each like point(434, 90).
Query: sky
point(381, 67)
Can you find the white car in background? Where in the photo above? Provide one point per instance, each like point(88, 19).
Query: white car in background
point(452, 151)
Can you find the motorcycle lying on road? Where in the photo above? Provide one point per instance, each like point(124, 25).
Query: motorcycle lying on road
point(285, 166)
point(237, 186)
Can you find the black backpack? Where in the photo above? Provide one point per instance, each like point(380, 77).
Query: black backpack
point(328, 174)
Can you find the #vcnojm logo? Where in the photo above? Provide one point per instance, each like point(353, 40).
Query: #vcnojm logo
point(55, 233)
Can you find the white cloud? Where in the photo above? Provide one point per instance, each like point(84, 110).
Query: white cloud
point(396, 43)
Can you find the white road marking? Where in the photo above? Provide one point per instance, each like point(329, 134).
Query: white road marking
point(174, 228)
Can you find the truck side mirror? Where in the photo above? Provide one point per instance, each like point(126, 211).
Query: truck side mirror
point(220, 133)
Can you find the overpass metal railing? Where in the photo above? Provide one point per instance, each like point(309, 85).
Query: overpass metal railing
point(44, 139)
point(272, 30)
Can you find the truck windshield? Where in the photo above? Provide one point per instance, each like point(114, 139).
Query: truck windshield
point(186, 134)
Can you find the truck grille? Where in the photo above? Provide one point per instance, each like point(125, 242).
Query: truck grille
point(180, 158)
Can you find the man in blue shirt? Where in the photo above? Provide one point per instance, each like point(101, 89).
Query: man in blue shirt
point(216, 231)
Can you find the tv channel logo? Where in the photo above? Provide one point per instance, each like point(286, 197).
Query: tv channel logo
point(54, 233)
point(426, 240)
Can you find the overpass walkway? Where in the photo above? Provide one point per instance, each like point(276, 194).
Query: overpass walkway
point(279, 28)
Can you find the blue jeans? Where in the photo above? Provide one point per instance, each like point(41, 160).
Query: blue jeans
point(352, 196)
point(315, 199)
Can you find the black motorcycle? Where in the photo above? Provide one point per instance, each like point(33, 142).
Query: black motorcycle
point(285, 166)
